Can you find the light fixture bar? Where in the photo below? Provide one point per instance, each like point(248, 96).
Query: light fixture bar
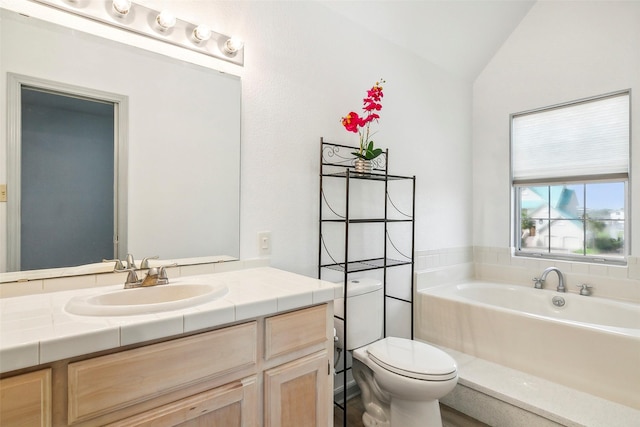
point(144, 21)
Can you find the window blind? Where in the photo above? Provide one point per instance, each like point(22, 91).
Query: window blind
point(589, 138)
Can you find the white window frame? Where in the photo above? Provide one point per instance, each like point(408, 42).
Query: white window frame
point(516, 184)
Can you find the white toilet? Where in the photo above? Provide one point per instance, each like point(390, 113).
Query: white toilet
point(400, 380)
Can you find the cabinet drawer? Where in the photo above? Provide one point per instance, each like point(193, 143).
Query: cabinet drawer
point(232, 405)
point(115, 381)
point(26, 399)
point(294, 331)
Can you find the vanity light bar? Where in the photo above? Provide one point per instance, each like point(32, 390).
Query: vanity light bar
point(163, 25)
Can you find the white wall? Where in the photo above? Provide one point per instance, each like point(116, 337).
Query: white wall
point(561, 51)
point(294, 96)
point(305, 67)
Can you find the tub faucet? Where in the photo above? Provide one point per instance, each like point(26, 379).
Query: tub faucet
point(540, 282)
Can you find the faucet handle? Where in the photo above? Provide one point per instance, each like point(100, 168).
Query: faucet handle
point(537, 282)
point(118, 266)
point(132, 277)
point(145, 261)
point(585, 289)
point(163, 279)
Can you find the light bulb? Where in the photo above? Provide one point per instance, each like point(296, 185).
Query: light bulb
point(201, 33)
point(233, 45)
point(121, 7)
point(166, 20)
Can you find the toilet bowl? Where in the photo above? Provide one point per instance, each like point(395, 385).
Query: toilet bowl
point(404, 379)
point(400, 380)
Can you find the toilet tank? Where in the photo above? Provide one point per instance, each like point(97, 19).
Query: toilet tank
point(364, 313)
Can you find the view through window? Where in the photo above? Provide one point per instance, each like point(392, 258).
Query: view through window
point(575, 219)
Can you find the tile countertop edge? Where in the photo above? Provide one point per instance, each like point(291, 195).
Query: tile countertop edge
point(99, 337)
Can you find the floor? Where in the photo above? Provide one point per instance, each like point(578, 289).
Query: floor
point(450, 417)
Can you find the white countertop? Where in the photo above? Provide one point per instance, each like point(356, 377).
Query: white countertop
point(35, 329)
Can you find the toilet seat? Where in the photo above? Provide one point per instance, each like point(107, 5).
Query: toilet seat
point(413, 359)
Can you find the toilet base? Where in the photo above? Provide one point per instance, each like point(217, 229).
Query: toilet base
point(384, 410)
point(408, 413)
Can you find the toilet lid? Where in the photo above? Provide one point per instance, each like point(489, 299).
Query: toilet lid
point(413, 359)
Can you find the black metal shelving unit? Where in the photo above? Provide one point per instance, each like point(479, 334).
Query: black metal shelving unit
point(337, 163)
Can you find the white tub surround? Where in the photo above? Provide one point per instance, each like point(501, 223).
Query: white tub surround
point(618, 282)
point(501, 396)
point(589, 344)
point(36, 329)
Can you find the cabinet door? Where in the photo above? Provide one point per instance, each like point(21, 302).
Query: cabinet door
point(25, 400)
point(296, 393)
point(232, 405)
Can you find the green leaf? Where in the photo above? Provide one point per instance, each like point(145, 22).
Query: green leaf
point(372, 154)
point(359, 155)
point(370, 146)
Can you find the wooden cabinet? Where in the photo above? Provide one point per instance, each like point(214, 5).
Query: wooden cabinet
point(298, 392)
point(272, 371)
point(25, 400)
point(116, 381)
point(294, 331)
point(232, 405)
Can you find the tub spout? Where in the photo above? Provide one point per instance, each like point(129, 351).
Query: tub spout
point(561, 287)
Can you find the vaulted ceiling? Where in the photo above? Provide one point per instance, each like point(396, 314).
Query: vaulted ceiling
point(460, 36)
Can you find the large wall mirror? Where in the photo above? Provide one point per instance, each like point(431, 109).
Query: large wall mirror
point(177, 141)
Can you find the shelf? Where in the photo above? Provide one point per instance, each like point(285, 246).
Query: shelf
point(369, 176)
point(367, 264)
point(337, 161)
point(366, 220)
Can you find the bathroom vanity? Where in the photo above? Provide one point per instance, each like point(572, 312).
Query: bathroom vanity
point(270, 369)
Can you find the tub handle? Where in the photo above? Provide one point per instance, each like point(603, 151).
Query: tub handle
point(585, 289)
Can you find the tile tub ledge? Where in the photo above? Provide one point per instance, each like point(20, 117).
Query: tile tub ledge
point(501, 396)
point(36, 329)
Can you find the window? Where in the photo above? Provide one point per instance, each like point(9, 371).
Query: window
point(570, 176)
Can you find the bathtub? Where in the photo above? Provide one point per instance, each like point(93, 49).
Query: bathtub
point(587, 343)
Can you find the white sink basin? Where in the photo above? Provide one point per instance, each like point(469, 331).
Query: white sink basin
point(147, 300)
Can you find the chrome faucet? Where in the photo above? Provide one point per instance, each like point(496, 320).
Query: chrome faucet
point(539, 282)
point(155, 276)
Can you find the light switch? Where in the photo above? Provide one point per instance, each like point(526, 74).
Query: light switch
point(264, 243)
point(3, 192)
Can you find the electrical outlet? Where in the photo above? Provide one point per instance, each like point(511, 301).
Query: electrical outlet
point(264, 243)
point(3, 192)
